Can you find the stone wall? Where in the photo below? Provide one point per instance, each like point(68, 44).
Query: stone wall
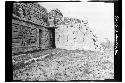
point(75, 34)
point(31, 12)
point(72, 33)
point(34, 28)
point(28, 37)
point(29, 28)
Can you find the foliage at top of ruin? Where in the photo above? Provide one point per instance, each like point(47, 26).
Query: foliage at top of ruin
point(55, 12)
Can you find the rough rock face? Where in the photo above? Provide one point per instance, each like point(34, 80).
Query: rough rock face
point(75, 34)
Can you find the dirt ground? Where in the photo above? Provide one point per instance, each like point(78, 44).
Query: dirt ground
point(64, 65)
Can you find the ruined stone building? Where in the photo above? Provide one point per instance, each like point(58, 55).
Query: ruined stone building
point(74, 34)
point(34, 28)
point(47, 46)
point(29, 28)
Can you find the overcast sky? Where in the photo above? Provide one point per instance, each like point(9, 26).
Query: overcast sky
point(100, 15)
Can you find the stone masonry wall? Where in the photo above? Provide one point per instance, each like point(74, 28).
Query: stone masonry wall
point(72, 33)
point(31, 12)
point(32, 27)
point(28, 37)
point(75, 34)
point(29, 30)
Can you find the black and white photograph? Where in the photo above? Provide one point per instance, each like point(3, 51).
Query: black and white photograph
point(71, 41)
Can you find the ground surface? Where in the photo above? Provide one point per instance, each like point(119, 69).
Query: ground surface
point(64, 65)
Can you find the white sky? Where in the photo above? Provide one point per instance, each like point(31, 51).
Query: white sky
point(100, 15)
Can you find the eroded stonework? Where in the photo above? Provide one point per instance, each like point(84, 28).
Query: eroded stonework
point(29, 28)
point(72, 33)
point(34, 27)
point(75, 34)
point(76, 56)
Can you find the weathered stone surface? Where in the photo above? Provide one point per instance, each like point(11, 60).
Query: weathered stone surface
point(29, 30)
point(75, 34)
point(58, 64)
point(72, 33)
point(31, 12)
point(24, 37)
point(55, 18)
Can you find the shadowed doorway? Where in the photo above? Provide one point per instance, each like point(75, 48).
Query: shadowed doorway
point(47, 39)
